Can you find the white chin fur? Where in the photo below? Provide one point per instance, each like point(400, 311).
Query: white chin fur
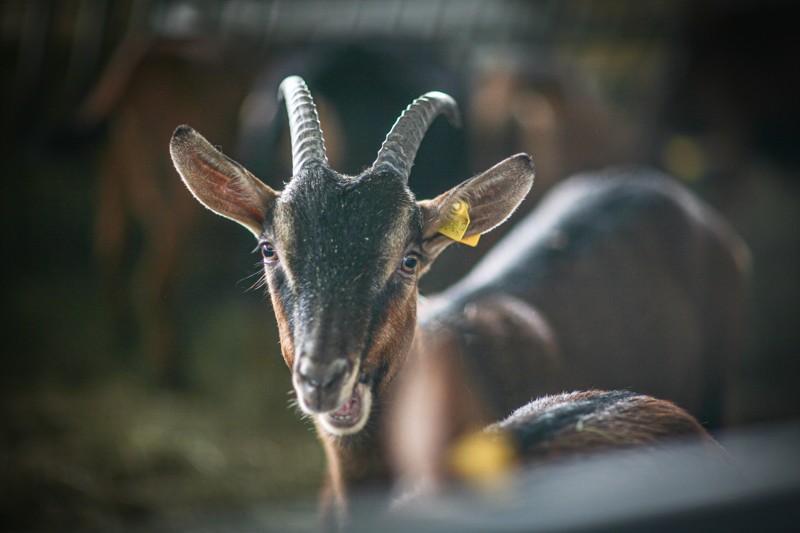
point(366, 405)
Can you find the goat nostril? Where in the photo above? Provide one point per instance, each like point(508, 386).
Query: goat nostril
point(336, 374)
point(305, 371)
point(322, 377)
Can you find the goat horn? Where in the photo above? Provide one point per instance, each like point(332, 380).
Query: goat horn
point(307, 142)
point(400, 147)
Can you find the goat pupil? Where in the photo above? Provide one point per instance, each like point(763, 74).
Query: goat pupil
point(268, 251)
point(409, 263)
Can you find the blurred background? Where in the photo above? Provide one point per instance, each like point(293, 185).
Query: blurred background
point(140, 370)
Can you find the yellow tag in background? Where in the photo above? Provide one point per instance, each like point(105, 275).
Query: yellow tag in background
point(482, 458)
point(456, 224)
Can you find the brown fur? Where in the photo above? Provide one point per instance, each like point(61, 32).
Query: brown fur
point(633, 421)
point(393, 339)
point(439, 404)
point(287, 339)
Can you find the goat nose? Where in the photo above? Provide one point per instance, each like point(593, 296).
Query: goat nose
point(322, 375)
point(316, 377)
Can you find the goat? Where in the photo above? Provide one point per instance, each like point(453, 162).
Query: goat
point(438, 433)
point(146, 85)
point(609, 270)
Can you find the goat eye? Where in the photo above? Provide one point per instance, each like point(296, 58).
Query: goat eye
point(269, 253)
point(409, 264)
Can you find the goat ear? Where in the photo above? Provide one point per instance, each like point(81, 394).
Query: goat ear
point(218, 182)
point(487, 200)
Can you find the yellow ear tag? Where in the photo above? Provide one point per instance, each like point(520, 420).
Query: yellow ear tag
point(456, 224)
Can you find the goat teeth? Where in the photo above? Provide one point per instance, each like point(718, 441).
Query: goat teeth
point(350, 410)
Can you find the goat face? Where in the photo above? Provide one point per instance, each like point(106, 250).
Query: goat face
point(343, 254)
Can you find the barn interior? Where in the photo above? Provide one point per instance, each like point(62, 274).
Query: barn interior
point(142, 382)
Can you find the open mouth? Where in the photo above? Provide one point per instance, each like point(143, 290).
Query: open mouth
point(352, 416)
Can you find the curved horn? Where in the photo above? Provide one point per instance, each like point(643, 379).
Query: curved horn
point(307, 142)
point(400, 147)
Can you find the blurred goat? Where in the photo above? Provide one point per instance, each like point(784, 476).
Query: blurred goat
point(147, 87)
point(438, 434)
